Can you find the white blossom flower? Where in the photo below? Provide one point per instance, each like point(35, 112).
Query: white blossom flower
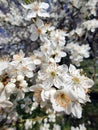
point(45, 126)
point(56, 127)
point(78, 52)
point(58, 37)
point(53, 53)
point(3, 65)
point(92, 7)
point(78, 83)
point(22, 65)
point(64, 101)
point(60, 101)
point(39, 29)
point(37, 9)
point(52, 117)
point(28, 124)
point(78, 31)
point(52, 75)
point(13, 18)
point(90, 25)
point(38, 57)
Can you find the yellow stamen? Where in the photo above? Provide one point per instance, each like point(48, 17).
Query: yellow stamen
point(63, 100)
point(76, 80)
point(53, 74)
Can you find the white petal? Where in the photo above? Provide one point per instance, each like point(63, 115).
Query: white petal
point(37, 62)
point(39, 23)
point(48, 83)
point(29, 74)
point(62, 54)
point(4, 104)
point(72, 69)
point(31, 15)
point(1, 86)
point(42, 13)
point(34, 36)
point(77, 110)
point(29, 6)
point(10, 88)
point(44, 5)
point(68, 109)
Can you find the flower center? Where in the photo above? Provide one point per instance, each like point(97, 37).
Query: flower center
point(57, 38)
point(63, 100)
point(37, 95)
point(76, 80)
point(5, 79)
point(18, 86)
point(39, 30)
point(52, 73)
point(54, 55)
point(36, 8)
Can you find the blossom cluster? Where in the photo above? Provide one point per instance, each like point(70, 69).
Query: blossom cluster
point(51, 78)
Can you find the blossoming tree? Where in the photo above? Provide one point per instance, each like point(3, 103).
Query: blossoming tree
point(39, 87)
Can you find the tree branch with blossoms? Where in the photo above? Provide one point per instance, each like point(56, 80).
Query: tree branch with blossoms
point(39, 87)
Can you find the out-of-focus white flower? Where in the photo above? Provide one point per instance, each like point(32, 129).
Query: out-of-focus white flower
point(81, 127)
point(18, 57)
point(78, 52)
point(45, 126)
point(13, 18)
point(22, 65)
point(52, 117)
point(28, 124)
point(3, 65)
point(53, 53)
point(5, 103)
point(38, 55)
point(77, 31)
point(56, 127)
point(57, 37)
point(20, 77)
point(37, 9)
point(10, 88)
point(52, 75)
point(2, 15)
point(92, 7)
point(34, 106)
point(91, 25)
